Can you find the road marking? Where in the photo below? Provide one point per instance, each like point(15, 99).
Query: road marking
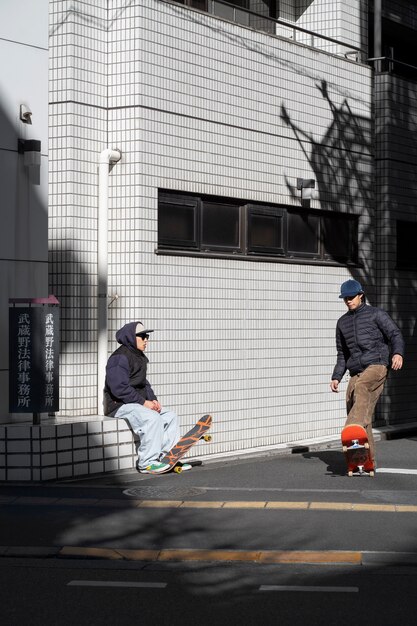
point(395, 470)
point(286, 557)
point(224, 504)
point(322, 557)
point(114, 583)
point(309, 589)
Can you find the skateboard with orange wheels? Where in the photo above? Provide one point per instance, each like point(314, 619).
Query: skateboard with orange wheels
point(199, 431)
point(356, 450)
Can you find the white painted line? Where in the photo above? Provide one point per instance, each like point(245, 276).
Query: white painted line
point(309, 589)
point(395, 470)
point(113, 583)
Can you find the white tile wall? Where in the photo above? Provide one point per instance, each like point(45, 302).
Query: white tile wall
point(202, 105)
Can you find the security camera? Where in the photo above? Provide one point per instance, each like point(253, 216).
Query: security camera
point(25, 114)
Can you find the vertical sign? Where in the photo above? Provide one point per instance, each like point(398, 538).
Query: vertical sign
point(34, 359)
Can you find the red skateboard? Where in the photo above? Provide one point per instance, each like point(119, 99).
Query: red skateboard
point(199, 431)
point(356, 449)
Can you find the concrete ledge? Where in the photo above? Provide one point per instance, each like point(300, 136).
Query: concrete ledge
point(54, 451)
point(61, 450)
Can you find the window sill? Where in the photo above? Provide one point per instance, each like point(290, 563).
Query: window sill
point(259, 258)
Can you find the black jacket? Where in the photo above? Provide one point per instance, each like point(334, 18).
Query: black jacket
point(365, 336)
point(126, 381)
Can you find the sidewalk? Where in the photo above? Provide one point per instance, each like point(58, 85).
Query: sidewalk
point(94, 446)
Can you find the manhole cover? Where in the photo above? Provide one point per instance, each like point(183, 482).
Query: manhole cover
point(161, 492)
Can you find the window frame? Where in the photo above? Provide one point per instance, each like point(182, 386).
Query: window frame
point(212, 247)
point(264, 210)
point(296, 254)
point(175, 200)
point(244, 249)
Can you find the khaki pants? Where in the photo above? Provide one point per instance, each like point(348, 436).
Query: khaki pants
point(362, 395)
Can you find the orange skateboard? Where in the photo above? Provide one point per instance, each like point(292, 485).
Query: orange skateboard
point(199, 431)
point(356, 449)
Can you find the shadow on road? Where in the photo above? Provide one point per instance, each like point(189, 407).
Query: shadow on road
point(334, 460)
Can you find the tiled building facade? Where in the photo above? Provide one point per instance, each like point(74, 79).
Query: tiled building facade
point(217, 118)
point(202, 105)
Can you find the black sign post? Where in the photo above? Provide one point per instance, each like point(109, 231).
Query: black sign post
point(34, 357)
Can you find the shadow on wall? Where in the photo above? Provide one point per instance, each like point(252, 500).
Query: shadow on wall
point(344, 167)
point(72, 282)
point(23, 236)
point(339, 160)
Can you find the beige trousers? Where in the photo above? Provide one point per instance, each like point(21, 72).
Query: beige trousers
point(362, 395)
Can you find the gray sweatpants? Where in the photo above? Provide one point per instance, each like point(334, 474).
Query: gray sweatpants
point(157, 432)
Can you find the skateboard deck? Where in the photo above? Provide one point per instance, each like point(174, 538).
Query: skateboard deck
point(356, 450)
point(197, 432)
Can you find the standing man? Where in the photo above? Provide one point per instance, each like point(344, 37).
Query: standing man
point(368, 342)
point(128, 395)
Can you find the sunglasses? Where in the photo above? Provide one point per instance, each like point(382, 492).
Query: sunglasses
point(142, 336)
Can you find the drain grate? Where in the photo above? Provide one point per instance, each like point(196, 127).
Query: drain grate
point(164, 492)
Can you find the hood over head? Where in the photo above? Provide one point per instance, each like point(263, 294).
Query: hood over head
point(127, 335)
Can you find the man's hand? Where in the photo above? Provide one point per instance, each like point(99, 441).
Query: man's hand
point(153, 405)
point(397, 362)
point(334, 385)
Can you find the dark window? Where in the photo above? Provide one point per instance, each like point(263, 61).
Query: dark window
point(303, 233)
point(254, 13)
point(265, 230)
point(195, 4)
point(262, 7)
point(177, 221)
point(406, 245)
point(340, 238)
point(222, 226)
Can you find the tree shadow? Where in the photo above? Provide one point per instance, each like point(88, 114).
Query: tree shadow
point(349, 174)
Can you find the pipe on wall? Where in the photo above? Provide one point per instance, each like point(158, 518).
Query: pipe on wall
point(377, 31)
point(108, 157)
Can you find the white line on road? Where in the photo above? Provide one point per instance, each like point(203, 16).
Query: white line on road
point(395, 470)
point(309, 589)
point(257, 489)
point(113, 583)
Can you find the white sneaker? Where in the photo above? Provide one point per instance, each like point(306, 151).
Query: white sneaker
point(154, 468)
point(185, 466)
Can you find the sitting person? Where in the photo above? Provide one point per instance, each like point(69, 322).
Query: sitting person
point(128, 395)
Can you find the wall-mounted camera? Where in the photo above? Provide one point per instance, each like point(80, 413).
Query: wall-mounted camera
point(25, 114)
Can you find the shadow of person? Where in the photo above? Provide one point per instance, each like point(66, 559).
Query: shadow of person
point(334, 460)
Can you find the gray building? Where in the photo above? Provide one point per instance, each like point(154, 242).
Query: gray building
point(217, 170)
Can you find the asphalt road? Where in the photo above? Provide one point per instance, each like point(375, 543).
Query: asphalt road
point(269, 539)
point(50, 593)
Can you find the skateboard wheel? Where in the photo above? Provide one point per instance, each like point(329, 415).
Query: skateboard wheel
point(207, 437)
point(344, 448)
point(350, 473)
point(366, 445)
point(372, 473)
point(178, 469)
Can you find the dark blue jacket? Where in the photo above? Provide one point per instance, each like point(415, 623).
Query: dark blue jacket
point(365, 336)
point(126, 381)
